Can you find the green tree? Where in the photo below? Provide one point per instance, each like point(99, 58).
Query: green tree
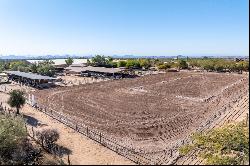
point(16, 99)
point(19, 66)
point(163, 66)
point(245, 65)
point(228, 145)
point(69, 61)
point(122, 64)
point(99, 60)
point(182, 64)
point(144, 63)
point(1, 68)
point(110, 59)
point(112, 64)
point(132, 63)
point(33, 68)
point(46, 68)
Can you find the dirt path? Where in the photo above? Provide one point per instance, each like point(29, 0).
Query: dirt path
point(84, 151)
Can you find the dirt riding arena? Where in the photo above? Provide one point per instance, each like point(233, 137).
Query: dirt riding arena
point(149, 113)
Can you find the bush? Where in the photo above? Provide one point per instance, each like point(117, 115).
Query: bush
point(219, 65)
point(112, 64)
point(144, 63)
point(122, 64)
point(228, 145)
point(15, 148)
point(69, 61)
point(182, 64)
point(132, 64)
point(163, 66)
point(48, 138)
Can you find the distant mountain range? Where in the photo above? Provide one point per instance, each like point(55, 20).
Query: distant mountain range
point(19, 57)
point(16, 57)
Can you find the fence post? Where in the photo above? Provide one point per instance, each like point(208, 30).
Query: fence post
point(247, 120)
point(26, 127)
point(87, 131)
point(76, 127)
point(100, 137)
point(68, 160)
point(42, 141)
point(33, 133)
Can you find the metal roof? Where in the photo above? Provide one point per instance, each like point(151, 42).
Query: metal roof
point(30, 75)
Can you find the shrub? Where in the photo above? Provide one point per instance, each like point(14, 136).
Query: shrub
point(228, 145)
point(48, 138)
point(69, 61)
point(15, 148)
point(122, 64)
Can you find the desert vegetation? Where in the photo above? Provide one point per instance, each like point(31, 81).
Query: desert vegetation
point(209, 64)
point(228, 145)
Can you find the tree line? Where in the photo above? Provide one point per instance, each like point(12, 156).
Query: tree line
point(46, 67)
point(219, 65)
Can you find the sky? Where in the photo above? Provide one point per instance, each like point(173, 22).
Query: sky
point(124, 27)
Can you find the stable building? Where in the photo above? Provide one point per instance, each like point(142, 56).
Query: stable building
point(89, 71)
point(31, 79)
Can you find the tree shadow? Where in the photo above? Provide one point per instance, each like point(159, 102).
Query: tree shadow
point(61, 151)
point(31, 121)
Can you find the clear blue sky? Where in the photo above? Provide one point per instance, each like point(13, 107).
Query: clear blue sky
point(138, 27)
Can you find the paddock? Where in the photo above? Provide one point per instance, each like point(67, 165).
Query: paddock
point(149, 112)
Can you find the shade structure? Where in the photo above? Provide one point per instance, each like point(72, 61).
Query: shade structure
point(31, 76)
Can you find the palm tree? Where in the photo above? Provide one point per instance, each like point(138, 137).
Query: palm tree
point(16, 99)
